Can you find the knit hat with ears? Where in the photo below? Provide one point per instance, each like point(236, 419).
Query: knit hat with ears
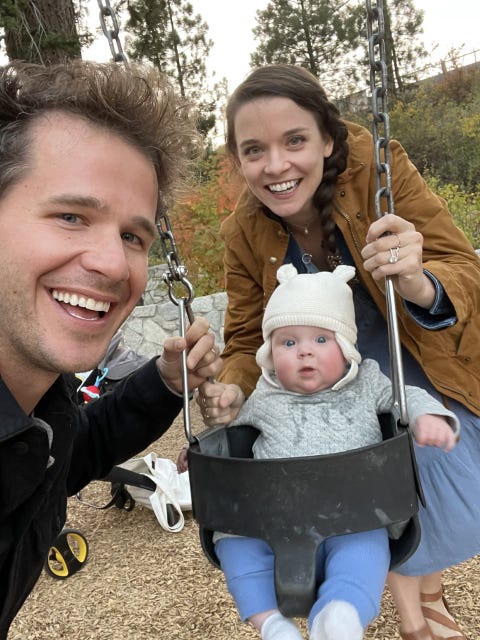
point(321, 299)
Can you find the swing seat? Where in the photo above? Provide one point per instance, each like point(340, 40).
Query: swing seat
point(294, 504)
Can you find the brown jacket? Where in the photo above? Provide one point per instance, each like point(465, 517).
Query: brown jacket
point(255, 246)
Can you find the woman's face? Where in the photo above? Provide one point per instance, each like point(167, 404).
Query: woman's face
point(281, 154)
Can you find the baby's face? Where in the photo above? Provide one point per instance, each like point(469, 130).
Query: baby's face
point(307, 359)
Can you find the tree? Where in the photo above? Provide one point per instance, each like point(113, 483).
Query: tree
point(167, 33)
point(42, 31)
point(320, 35)
point(403, 25)
point(440, 131)
point(329, 38)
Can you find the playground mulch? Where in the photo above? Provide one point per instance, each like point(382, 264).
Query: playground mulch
point(141, 582)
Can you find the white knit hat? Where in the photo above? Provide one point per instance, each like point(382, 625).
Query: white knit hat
point(321, 299)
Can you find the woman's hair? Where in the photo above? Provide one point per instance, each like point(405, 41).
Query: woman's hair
point(135, 102)
point(299, 85)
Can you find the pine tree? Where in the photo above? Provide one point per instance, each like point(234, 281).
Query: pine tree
point(320, 35)
point(42, 31)
point(404, 50)
point(174, 39)
point(329, 38)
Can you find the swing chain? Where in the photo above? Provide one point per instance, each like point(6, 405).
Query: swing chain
point(177, 272)
point(107, 11)
point(378, 67)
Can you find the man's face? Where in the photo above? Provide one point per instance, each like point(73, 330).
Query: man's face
point(76, 231)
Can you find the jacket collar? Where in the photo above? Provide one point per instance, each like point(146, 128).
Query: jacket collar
point(13, 420)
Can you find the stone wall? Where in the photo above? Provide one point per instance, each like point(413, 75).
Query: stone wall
point(157, 317)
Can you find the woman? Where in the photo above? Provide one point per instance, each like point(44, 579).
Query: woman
point(309, 200)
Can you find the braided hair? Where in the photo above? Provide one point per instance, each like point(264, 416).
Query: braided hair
point(301, 86)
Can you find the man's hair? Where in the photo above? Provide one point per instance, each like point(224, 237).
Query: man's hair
point(135, 102)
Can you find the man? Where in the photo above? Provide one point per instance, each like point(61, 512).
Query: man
point(86, 149)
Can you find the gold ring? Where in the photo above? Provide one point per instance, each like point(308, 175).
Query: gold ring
point(204, 402)
point(214, 351)
point(393, 259)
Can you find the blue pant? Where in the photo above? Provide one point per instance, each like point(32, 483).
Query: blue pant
point(352, 568)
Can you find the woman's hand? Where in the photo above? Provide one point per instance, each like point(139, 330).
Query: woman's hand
point(203, 359)
point(219, 403)
point(399, 254)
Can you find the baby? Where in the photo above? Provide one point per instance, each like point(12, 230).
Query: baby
point(315, 396)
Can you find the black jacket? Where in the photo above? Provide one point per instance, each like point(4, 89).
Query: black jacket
point(45, 458)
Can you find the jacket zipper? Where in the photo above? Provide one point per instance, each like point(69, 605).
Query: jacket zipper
point(351, 227)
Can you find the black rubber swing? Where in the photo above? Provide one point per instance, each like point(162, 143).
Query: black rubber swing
point(294, 504)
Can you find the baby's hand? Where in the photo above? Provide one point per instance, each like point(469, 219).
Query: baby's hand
point(435, 431)
point(219, 402)
point(182, 460)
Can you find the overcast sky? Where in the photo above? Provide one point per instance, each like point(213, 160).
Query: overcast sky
point(446, 23)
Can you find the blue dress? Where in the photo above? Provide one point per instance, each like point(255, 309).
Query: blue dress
point(450, 523)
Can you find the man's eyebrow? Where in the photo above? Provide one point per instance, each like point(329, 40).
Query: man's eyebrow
point(89, 202)
point(77, 200)
point(145, 224)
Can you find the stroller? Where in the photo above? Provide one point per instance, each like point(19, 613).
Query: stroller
point(69, 551)
point(118, 362)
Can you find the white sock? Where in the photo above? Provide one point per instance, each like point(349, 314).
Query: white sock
point(338, 620)
point(277, 627)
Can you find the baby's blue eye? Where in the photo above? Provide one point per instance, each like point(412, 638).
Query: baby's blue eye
point(289, 343)
point(321, 339)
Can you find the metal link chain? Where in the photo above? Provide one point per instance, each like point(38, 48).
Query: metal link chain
point(107, 11)
point(177, 272)
point(378, 67)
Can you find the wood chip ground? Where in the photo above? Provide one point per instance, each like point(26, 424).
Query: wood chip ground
point(141, 582)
